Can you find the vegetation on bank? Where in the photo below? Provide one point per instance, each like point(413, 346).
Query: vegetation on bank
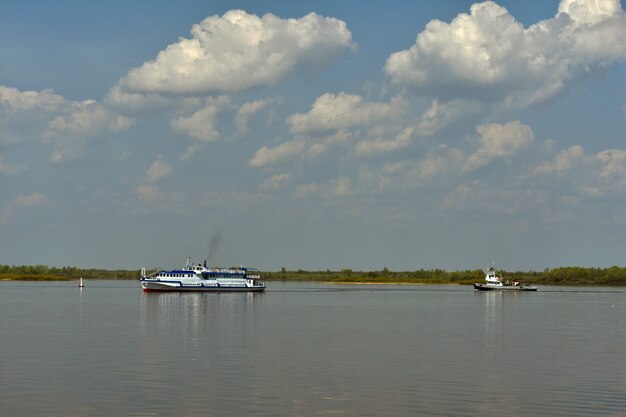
point(66, 273)
point(558, 276)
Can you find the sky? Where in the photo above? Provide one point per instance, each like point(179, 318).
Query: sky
point(313, 135)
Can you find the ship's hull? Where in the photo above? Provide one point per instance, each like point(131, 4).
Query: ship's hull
point(150, 286)
point(485, 287)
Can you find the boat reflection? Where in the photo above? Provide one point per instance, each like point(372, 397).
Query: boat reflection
point(500, 308)
point(493, 310)
point(193, 314)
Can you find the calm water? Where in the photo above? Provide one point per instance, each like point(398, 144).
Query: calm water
point(311, 349)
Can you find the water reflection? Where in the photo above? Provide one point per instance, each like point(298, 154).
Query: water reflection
point(501, 307)
point(193, 311)
point(310, 349)
point(493, 309)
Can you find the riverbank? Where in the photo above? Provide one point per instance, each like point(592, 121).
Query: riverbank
point(613, 276)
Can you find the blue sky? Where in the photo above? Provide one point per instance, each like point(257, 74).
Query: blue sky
point(313, 135)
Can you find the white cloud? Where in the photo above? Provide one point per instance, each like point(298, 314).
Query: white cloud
point(439, 114)
point(31, 116)
point(337, 188)
point(442, 160)
point(488, 55)
point(378, 146)
point(190, 151)
point(159, 169)
point(316, 150)
point(201, 124)
point(563, 161)
point(276, 181)
point(148, 192)
point(125, 101)
point(13, 100)
point(247, 110)
point(83, 119)
point(580, 175)
point(268, 156)
point(238, 51)
point(342, 111)
point(498, 141)
point(19, 202)
point(589, 11)
point(341, 137)
point(613, 162)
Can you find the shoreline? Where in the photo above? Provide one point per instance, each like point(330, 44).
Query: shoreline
point(404, 283)
point(576, 276)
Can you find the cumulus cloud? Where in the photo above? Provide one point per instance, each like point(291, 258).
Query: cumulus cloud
point(339, 138)
point(442, 160)
point(613, 162)
point(32, 115)
point(378, 146)
point(488, 55)
point(238, 51)
point(83, 119)
point(586, 175)
point(148, 192)
point(201, 124)
point(498, 141)
point(268, 156)
point(159, 169)
point(342, 111)
point(248, 110)
point(337, 188)
point(440, 114)
point(190, 151)
point(589, 11)
point(20, 202)
point(276, 181)
point(563, 161)
point(129, 102)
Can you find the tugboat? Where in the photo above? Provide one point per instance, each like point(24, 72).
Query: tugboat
point(493, 282)
point(200, 278)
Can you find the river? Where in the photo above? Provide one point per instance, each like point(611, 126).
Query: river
point(311, 349)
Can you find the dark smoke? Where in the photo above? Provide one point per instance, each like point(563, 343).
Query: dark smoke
point(214, 244)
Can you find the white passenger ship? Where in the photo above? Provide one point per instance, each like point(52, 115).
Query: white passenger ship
point(200, 278)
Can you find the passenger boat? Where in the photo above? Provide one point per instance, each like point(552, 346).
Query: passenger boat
point(196, 277)
point(493, 282)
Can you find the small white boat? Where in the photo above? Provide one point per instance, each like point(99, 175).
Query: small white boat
point(493, 282)
point(200, 278)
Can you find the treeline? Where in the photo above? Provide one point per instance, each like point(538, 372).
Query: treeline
point(558, 276)
point(614, 275)
point(66, 273)
point(422, 276)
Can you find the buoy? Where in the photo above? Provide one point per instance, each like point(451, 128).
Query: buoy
point(80, 284)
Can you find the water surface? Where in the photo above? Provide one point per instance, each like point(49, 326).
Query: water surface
point(306, 349)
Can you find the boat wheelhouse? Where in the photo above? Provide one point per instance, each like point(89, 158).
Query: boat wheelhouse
point(494, 282)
